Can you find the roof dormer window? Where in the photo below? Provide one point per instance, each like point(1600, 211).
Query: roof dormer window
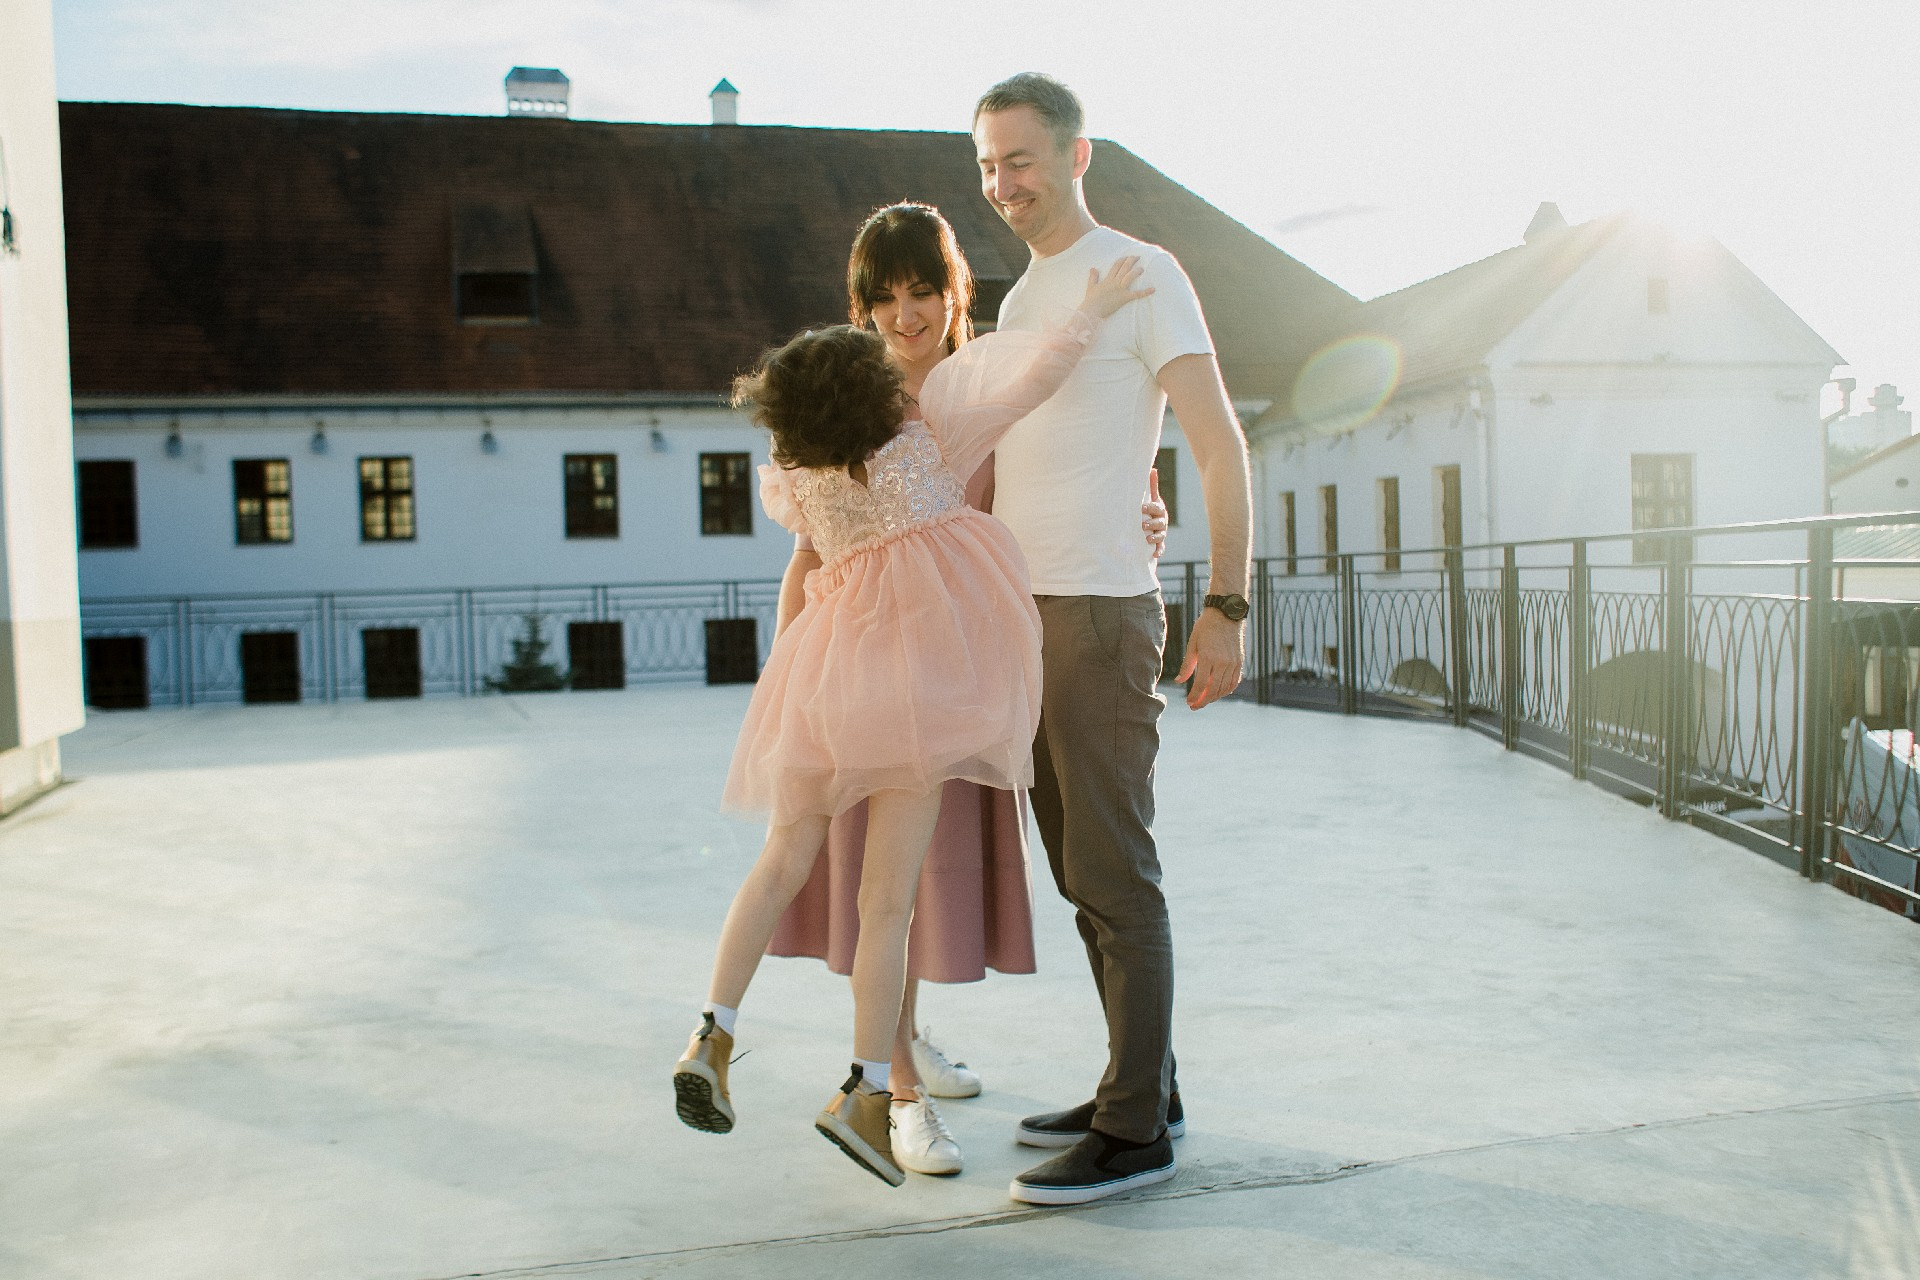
point(495, 270)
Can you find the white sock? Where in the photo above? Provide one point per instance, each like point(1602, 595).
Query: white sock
point(723, 1017)
point(874, 1073)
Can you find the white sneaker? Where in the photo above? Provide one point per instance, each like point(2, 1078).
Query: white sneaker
point(920, 1138)
point(942, 1078)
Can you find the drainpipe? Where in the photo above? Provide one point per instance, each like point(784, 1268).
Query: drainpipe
point(1846, 386)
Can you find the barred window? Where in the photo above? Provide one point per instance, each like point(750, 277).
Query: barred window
point(262, 501)
point(726, 499)
point(109, 516)
point(1662, 499)
point(386, 500)
point(593, 495)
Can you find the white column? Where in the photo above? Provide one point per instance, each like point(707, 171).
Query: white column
point(40, 695)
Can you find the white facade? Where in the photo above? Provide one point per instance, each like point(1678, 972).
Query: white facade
point(484, 519)
point(1545, 429)
point(40, 688)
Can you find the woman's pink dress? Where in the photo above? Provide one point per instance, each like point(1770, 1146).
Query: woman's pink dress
point(916, 658)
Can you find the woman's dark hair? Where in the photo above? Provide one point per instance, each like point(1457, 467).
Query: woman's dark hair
point(904, 243)
point(830, 397)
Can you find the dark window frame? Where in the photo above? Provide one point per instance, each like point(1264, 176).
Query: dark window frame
point(262, 502)
point(106, 492)
point(1658, 503)
point(1388, 488)
point(1330, 526)
point(726, 495)
point(591, 487)
point(1290, 531)
point(387, 502)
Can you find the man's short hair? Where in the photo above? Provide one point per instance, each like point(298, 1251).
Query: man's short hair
point(1057, 106)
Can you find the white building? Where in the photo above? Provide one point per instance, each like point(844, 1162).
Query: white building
point(39, 606)
point(1595, 379)
point(1883, 423)
point(323, 354)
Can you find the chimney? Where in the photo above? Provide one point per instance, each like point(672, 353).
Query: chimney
point(537, 91)
point(1547, 222)
point(726, 103)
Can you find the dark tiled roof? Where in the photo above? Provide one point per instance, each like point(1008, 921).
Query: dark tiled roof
point(1451, 322)
point(250, 251)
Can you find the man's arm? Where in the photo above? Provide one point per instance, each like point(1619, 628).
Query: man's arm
point(1216, 651)
point(793, 587)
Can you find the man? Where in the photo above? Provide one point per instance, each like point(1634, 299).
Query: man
point(1068, 483)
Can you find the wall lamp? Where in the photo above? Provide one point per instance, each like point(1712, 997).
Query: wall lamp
point(175, 445)
point(488, 443)
point(318, 444)
point(657, 440)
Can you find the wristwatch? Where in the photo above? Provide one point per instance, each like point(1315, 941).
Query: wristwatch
point(1235, 607)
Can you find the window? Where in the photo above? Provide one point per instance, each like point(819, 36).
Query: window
point(1662, 499)
point(496, 297)
point(726, 503)
point(262, 501)
point(386, 500)
point(1167, 463)
point(495, 265)
point(391, 659)
point(1330, 526)
point(593, 495)
point(1389, 487)
point(109, 516)
point(1657, 300)
point(270, 666)
point(1446, 505)
point(116, 671)
point(987, 297)
point(1289, 533)
point(596, 655)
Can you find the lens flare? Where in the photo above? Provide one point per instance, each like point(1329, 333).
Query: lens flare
point(1344, 384)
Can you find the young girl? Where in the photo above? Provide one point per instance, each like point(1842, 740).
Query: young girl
point(915, 660)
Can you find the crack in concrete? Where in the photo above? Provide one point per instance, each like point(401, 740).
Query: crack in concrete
point(1261, 1182)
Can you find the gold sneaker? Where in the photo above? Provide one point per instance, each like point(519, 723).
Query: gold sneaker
point(857, 1121)
point(700, 1080)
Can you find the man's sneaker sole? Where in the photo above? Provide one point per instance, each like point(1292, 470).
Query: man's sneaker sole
point(841, 1135)
point(1059, 1138)
point(1093, 1191)
point(695, 1099)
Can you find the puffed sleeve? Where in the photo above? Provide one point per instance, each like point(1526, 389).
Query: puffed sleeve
point(776, 495)
point(973, 396)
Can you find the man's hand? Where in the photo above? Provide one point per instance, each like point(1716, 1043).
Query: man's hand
point(1216, 657)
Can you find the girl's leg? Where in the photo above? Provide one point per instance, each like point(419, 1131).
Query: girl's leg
point(899, 829)
point(905, 1077)
point(776, 879)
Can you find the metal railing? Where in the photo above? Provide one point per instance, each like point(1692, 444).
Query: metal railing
point(1742, 678)
point(193, 646)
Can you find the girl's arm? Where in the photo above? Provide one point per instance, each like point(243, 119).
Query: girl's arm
point(793, 583)
point(975, 395)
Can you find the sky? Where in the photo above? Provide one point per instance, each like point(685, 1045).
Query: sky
point(1380, 143)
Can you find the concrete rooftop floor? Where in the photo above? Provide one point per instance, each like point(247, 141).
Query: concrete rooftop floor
point(392, 991)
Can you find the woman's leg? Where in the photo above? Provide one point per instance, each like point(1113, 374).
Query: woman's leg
point(776, 879)
point(905, 1077)
point(899, 829)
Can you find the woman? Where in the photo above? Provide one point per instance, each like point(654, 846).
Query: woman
point(908, 280)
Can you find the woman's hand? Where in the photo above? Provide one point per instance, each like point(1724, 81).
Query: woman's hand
point(1155, 511)
point(1106, 296)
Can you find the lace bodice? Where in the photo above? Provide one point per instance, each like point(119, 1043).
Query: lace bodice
point(908, 484)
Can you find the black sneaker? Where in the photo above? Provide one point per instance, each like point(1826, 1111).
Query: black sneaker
point(1095, 1167)
point(1064, 1128)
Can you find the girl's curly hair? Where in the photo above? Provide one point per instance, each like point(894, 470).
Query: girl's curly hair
point(830, 397)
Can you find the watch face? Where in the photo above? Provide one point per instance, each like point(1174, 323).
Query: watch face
point(1235, 607)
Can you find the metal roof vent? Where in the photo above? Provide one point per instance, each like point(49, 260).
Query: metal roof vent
point(1547, 221)
point(726, 103)
point(537, 91)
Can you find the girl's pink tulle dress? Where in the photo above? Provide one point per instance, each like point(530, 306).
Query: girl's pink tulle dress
point(916, 658)
point(974, 911)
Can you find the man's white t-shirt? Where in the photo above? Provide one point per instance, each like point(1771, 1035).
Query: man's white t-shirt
point(1070, 476)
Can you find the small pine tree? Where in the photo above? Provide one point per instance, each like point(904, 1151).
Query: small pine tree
point(529, 671)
